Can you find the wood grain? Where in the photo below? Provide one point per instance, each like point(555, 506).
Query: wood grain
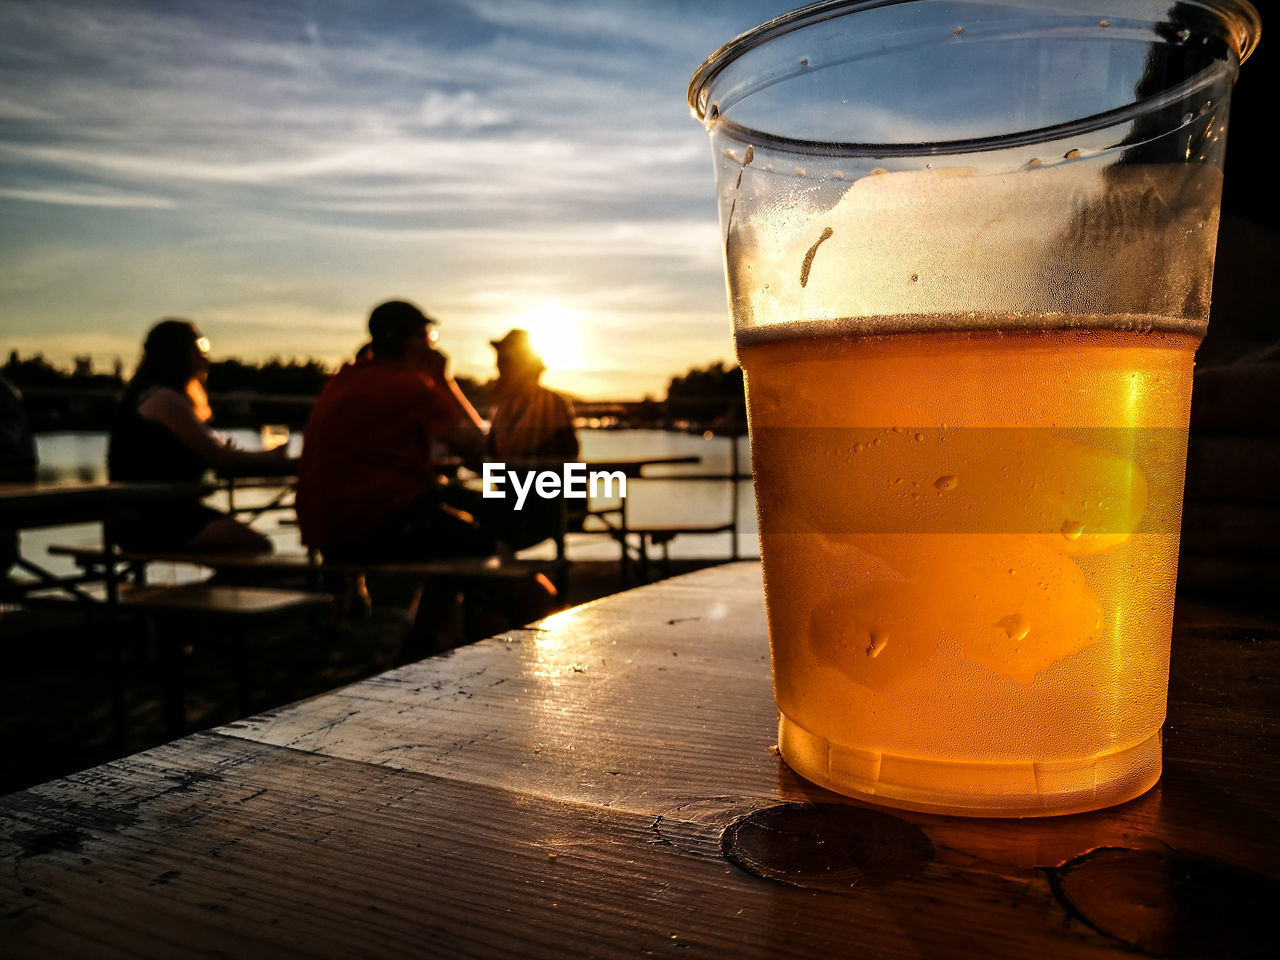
point(562, 790)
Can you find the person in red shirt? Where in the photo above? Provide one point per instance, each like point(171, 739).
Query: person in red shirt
point(367, 484)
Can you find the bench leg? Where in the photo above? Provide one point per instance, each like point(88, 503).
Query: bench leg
point(624, 559)
point(438, 617)
point(175, 706)
point(244, 686)
point(115, 639)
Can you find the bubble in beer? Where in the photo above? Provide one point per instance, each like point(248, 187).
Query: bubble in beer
point(946, 482)
point(851, 630)
point(1015, 625)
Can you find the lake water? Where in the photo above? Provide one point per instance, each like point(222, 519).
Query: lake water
point(81, 457)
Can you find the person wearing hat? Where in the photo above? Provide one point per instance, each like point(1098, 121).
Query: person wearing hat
point(367, 483)
point(529, 421)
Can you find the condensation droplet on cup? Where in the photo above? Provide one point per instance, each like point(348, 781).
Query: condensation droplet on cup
point(799, 171)
point(1104, 23)
point(1034, 162)
point(915, 278)
point(1016, 626)
point(879, 172)
point(837, 175)
point(1184, 34)
point(1188, 117)
point(919, 436)
point(948, 482)
point(859, 447)
point(878, 642)
point(1071, 529)
point(958, 31)
point(804, 61)
point(1071, 154)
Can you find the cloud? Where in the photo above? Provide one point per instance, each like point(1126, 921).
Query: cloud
point(86, 198)
point(220, 159)
point(464, 110)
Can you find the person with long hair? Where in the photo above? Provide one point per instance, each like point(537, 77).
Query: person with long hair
point(161, 435)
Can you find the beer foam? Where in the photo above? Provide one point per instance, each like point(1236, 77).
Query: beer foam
point(1068, 246)
point(965, 323)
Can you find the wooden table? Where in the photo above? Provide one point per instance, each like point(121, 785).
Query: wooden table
point(632, 468)
point(281, 477)
point(26, 506)
point(560, 791)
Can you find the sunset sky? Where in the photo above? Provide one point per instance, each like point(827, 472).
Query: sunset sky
point(272, 170)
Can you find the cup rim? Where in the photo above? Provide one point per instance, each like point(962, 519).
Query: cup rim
point(1242, 19)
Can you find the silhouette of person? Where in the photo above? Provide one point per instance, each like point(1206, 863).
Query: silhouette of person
point(367, 483)
point(529, 421)
point(161, 434)
point(17, 459)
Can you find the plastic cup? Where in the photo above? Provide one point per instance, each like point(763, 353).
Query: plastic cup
point(969, 248)
point(274, 435)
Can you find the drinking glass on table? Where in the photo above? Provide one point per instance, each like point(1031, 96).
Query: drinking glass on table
point(969, 248)
point(274, 435)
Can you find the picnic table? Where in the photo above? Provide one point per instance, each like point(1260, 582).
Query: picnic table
point(571, 789)
point(26, 506)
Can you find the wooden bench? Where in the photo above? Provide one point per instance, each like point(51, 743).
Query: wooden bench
point(235, 608)
point(91, 556)
point(466, 572)
point(238, 607)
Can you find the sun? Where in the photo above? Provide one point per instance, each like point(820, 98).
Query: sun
point(555, 331)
